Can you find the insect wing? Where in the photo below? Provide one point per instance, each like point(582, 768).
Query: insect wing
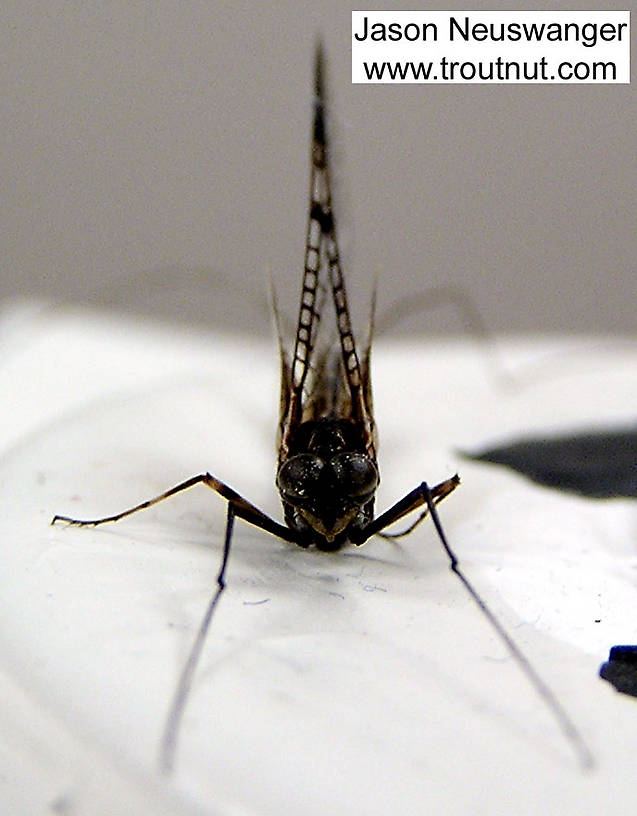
point(330, 381)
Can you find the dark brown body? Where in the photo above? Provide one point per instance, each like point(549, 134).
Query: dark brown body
point(327, 472)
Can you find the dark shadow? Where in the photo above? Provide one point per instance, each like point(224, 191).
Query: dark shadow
point(621, 669)
point(599, 464)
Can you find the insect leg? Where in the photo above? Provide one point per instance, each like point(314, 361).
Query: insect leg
point(412, 501)
point(562, 718)
point(168, 743)
point(424, 495)
point(242, 508)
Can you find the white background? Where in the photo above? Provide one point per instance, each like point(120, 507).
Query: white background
point(359, 682)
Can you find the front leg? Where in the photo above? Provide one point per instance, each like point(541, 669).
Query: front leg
point(412, 501)
point(242, 508)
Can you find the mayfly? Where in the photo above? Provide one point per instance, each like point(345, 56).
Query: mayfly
point(327, 471)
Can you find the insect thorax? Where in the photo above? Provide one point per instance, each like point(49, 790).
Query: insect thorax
point(327, 483)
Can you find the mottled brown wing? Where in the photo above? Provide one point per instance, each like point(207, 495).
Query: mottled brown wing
point(331, 382)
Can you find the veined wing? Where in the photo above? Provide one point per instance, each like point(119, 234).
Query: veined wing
point(332, 382)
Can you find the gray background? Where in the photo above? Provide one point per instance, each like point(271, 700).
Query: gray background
point(155, 159)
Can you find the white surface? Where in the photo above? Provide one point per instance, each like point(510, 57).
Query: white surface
point(360, 682)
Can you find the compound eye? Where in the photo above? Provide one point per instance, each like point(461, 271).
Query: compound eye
point(356, 475)
point(298, 476)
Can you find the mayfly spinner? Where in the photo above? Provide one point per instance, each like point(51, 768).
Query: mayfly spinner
point(327, 471)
